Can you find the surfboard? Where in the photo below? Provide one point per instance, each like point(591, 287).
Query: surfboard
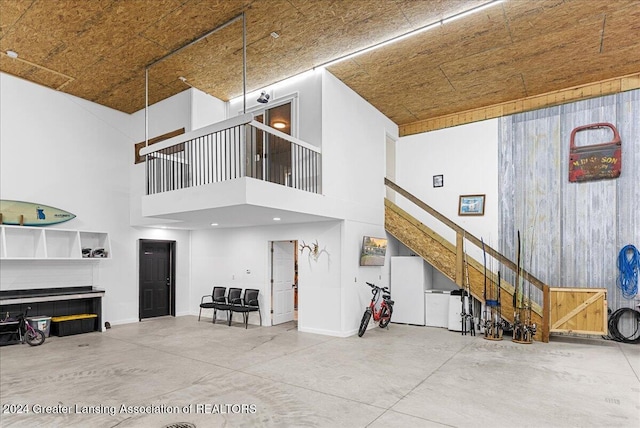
point(33, 214)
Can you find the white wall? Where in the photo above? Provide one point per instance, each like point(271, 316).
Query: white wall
point(190, 109)
point(87, 140)
point(63, 151)
point(307, 112)
point(353, 147)
point(467, 156)
point(356, 294)
point(206, 109)
point(354, 136)
point(163, 117)
point(241, 258)
point(332, 291)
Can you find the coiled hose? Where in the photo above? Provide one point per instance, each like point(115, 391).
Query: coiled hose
point(614, 331)
point(629, 266)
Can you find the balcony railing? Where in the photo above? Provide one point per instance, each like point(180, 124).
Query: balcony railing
point(239, 147)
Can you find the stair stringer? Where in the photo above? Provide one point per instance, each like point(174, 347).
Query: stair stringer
point(441, 254)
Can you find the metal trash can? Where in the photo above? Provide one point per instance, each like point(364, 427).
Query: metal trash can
point(41, 323)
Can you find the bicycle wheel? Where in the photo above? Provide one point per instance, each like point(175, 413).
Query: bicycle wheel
point(364, 323)
point(34, 337)
point(385, 316)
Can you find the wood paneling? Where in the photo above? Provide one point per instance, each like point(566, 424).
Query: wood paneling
point(607, 87)
point(498, 61)
point(573, 232)
point(578, 310)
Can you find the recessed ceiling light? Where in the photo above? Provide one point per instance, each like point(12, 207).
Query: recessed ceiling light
point(12, 54)
point(275, 35)
point(214, 224)
point(279, 125)
point(276, 219)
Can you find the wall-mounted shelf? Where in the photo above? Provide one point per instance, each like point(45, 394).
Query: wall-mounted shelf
point(43, 243)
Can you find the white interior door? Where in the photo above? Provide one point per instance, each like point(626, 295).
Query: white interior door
point(282, 277)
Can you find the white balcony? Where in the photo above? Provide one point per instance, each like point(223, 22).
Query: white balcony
point(236, 173)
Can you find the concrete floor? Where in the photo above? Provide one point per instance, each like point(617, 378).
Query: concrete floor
point(215, 375)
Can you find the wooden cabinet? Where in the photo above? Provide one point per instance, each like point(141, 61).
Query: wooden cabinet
point(40, 243)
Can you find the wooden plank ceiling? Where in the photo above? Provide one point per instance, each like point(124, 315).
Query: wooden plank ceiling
point(98, 49)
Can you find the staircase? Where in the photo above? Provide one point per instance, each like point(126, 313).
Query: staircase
point(449, 258)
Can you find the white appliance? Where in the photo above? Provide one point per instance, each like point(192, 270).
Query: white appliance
point(408, 280)
point(436, 304)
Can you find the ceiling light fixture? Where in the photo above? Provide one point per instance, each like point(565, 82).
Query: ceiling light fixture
point(276, 219)
point(471, 11)
point(279, 125)
point(214, 224)
point(263, 98)
point(303, 75)
point(280, 84)
point(414, 32)
point(12, 54)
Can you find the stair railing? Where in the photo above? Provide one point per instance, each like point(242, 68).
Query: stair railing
point(462, 234)
point(235, 148)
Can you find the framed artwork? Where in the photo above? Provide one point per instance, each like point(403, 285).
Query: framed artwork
point(471, 205)
point(438, 180)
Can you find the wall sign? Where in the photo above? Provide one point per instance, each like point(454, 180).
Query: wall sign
point(598, 161)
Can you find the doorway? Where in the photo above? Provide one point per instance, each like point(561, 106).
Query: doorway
point(284, 282)
point(156, 287)
point(269, 156)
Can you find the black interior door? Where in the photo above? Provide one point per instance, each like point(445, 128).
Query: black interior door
point(156, 279)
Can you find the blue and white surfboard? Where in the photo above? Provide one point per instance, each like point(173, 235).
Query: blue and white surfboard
point(33, 214)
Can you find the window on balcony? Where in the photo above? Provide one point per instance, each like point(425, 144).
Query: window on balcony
point(274, 152)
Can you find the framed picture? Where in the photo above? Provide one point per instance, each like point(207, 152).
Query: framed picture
point(438, 180)
point(471, 205)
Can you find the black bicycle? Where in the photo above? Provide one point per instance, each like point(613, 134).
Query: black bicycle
point(383, 315)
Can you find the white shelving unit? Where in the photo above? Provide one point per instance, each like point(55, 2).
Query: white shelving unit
point(41, 243)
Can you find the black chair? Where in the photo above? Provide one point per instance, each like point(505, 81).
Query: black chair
point(217, 295)
point(248, 304)
point(225, 305)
